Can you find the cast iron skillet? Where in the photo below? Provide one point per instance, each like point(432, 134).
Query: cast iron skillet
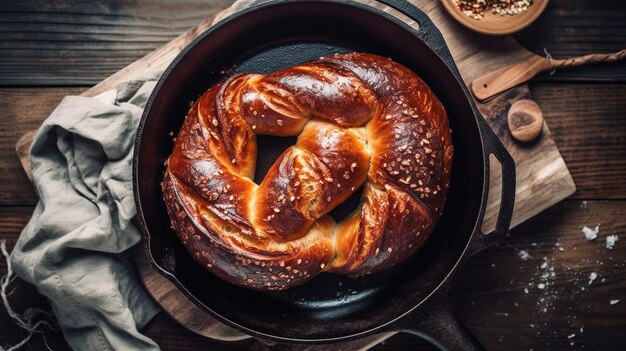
point(409, 297)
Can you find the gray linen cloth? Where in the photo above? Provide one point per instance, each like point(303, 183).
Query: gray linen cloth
point(75, 247)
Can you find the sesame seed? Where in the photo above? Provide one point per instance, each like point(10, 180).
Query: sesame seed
point(322, 266)
point(299, 261)
point(253, 126)
point(279, 122)
point(232, 197)
point(215, 122)
point(377, 251)
point(389, 249)
point(276, 210)
point(292, 198)
point(352, 167)
point(330, 180)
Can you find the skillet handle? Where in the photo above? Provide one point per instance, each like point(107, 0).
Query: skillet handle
point(438, 323)
point(431, 36)
point(427, 32)
point(493, 146)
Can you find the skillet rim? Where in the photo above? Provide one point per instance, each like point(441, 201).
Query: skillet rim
point(237, 16)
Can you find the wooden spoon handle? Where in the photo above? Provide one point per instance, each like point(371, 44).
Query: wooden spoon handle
point(508, 77)
point(518, 73)
point(587, 59)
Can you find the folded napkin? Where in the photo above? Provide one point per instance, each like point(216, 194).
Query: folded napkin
point(75, 247)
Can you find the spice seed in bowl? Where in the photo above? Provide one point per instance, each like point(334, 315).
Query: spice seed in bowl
point(476, 8)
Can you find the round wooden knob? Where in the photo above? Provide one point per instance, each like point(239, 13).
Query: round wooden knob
point(525, 120)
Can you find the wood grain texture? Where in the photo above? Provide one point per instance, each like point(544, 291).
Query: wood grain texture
point(575, 28)
point(490, 287)
point(506, 78)
point(34, 34)
point(542, 177)
point(588, 124)
point(22, 110)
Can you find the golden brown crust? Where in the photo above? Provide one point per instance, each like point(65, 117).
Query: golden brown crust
point(361, 119)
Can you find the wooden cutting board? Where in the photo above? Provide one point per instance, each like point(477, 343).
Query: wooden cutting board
point(542, 176)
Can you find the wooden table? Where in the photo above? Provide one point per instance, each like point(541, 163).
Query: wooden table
point(51, 50)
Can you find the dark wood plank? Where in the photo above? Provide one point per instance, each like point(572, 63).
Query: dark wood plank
point(22, 110)
point(574, 28)
point(588, 125)
point(82, 42)
point(489, 289)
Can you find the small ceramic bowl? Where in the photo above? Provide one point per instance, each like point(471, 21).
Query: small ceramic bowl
point(495, 24)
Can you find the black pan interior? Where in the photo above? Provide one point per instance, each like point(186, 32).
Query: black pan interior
point(264, 40)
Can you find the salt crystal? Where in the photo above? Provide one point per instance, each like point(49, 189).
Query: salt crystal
point(541, 286)
point(571, 336)
point(592, 277)
point(526, 290)
point(544, 265)
point(614, 302)
point(591, 234)
point(610, 241)
point(523, 254)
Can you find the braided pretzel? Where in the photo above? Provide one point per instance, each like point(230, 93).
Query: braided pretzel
point(362, 120)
